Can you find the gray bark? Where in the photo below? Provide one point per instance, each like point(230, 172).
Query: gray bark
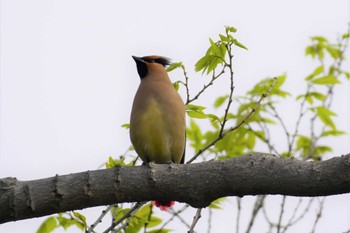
point(196, 184)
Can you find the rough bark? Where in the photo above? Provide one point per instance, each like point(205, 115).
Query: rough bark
point(196, 184)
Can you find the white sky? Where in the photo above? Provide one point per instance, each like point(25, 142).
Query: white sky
point(68, 79)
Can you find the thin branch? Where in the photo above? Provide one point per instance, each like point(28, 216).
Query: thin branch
point(231, 92)
point(186, 84)
point(301, 216)
point(125, 216)
point(206, 86)
point(226, 132)
point(239, 201)
point(279, 224)
point(195, 220)
point(259, 203)
point(319, 214)
point(174, 214)
point(179, 216)
point(99, 219)
point(284, 127)
point(209, 219)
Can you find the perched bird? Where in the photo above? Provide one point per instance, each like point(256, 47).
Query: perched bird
point(157, 122)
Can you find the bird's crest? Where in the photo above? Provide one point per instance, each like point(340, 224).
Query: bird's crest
point(157, 59)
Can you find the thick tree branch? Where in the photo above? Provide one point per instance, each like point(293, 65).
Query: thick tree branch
point(196, 184)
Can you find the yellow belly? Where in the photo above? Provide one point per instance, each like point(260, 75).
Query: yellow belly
point(155, 137)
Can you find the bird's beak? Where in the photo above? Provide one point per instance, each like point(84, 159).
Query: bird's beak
point(137, 59)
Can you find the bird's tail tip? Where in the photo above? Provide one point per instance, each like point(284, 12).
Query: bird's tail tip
point(163, 205)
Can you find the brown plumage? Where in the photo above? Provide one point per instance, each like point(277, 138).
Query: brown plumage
point(157, 122)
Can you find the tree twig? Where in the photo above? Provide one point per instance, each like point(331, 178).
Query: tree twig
point(195, 220)
point(226, 132)
point(99, 219)
point(125, 216)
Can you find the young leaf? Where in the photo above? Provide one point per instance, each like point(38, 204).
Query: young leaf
point(162, 230)
point(48, 225)
point(174, 66)
point(325, 116)
point(202, 64)
point(223, 38)
point(154, 221)
point(230, 29)
point(65, 222)
point(333, 133)
point(334, 52)
point(196, 114)
point(220, 100)
point(319, 39)
point(126, 126)
point(80, 217)
point(326, 80)
point(216, 204)
point(346, 35)
point(251, 140)
point(239, 44)
point(195, 107)
point(318, 95)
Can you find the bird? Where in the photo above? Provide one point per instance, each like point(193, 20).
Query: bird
point(157, 120)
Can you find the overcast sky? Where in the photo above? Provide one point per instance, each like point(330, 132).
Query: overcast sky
point(68, 79)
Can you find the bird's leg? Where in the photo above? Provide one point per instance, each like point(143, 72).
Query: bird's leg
point(171, 164)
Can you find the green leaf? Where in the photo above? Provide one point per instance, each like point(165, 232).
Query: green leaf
point(176, 85)
point(120, 213)
point(126, 126)
point(202, 63)
point(65, 222)
point(319, 39)
point(223, 38)
point(174, 66)
point(325, 116)
point(195, 111)
point(214, 48)
point(48, 225)
point(68, 222)
point(194, 135)
point(239, 44)
point(154, 221)
point(80, 217)
point(260, 134)
point(334, 52)
point(196, 114)
point(213, 117)
point(230, 29)
point(195, 107)
point(251, 139)
point(162, 230)
point(326, 80)
point(318, 95)
point(220, 100)
point(310, 50)
point(316, 72)
point(332, 133)
point(346, 35)
point(216, 204)
point(309, 99)
point(110, 163)
point(139, 219)
point(303, 144)
point(321, 150)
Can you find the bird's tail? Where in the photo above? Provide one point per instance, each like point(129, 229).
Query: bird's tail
point(163, 205)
